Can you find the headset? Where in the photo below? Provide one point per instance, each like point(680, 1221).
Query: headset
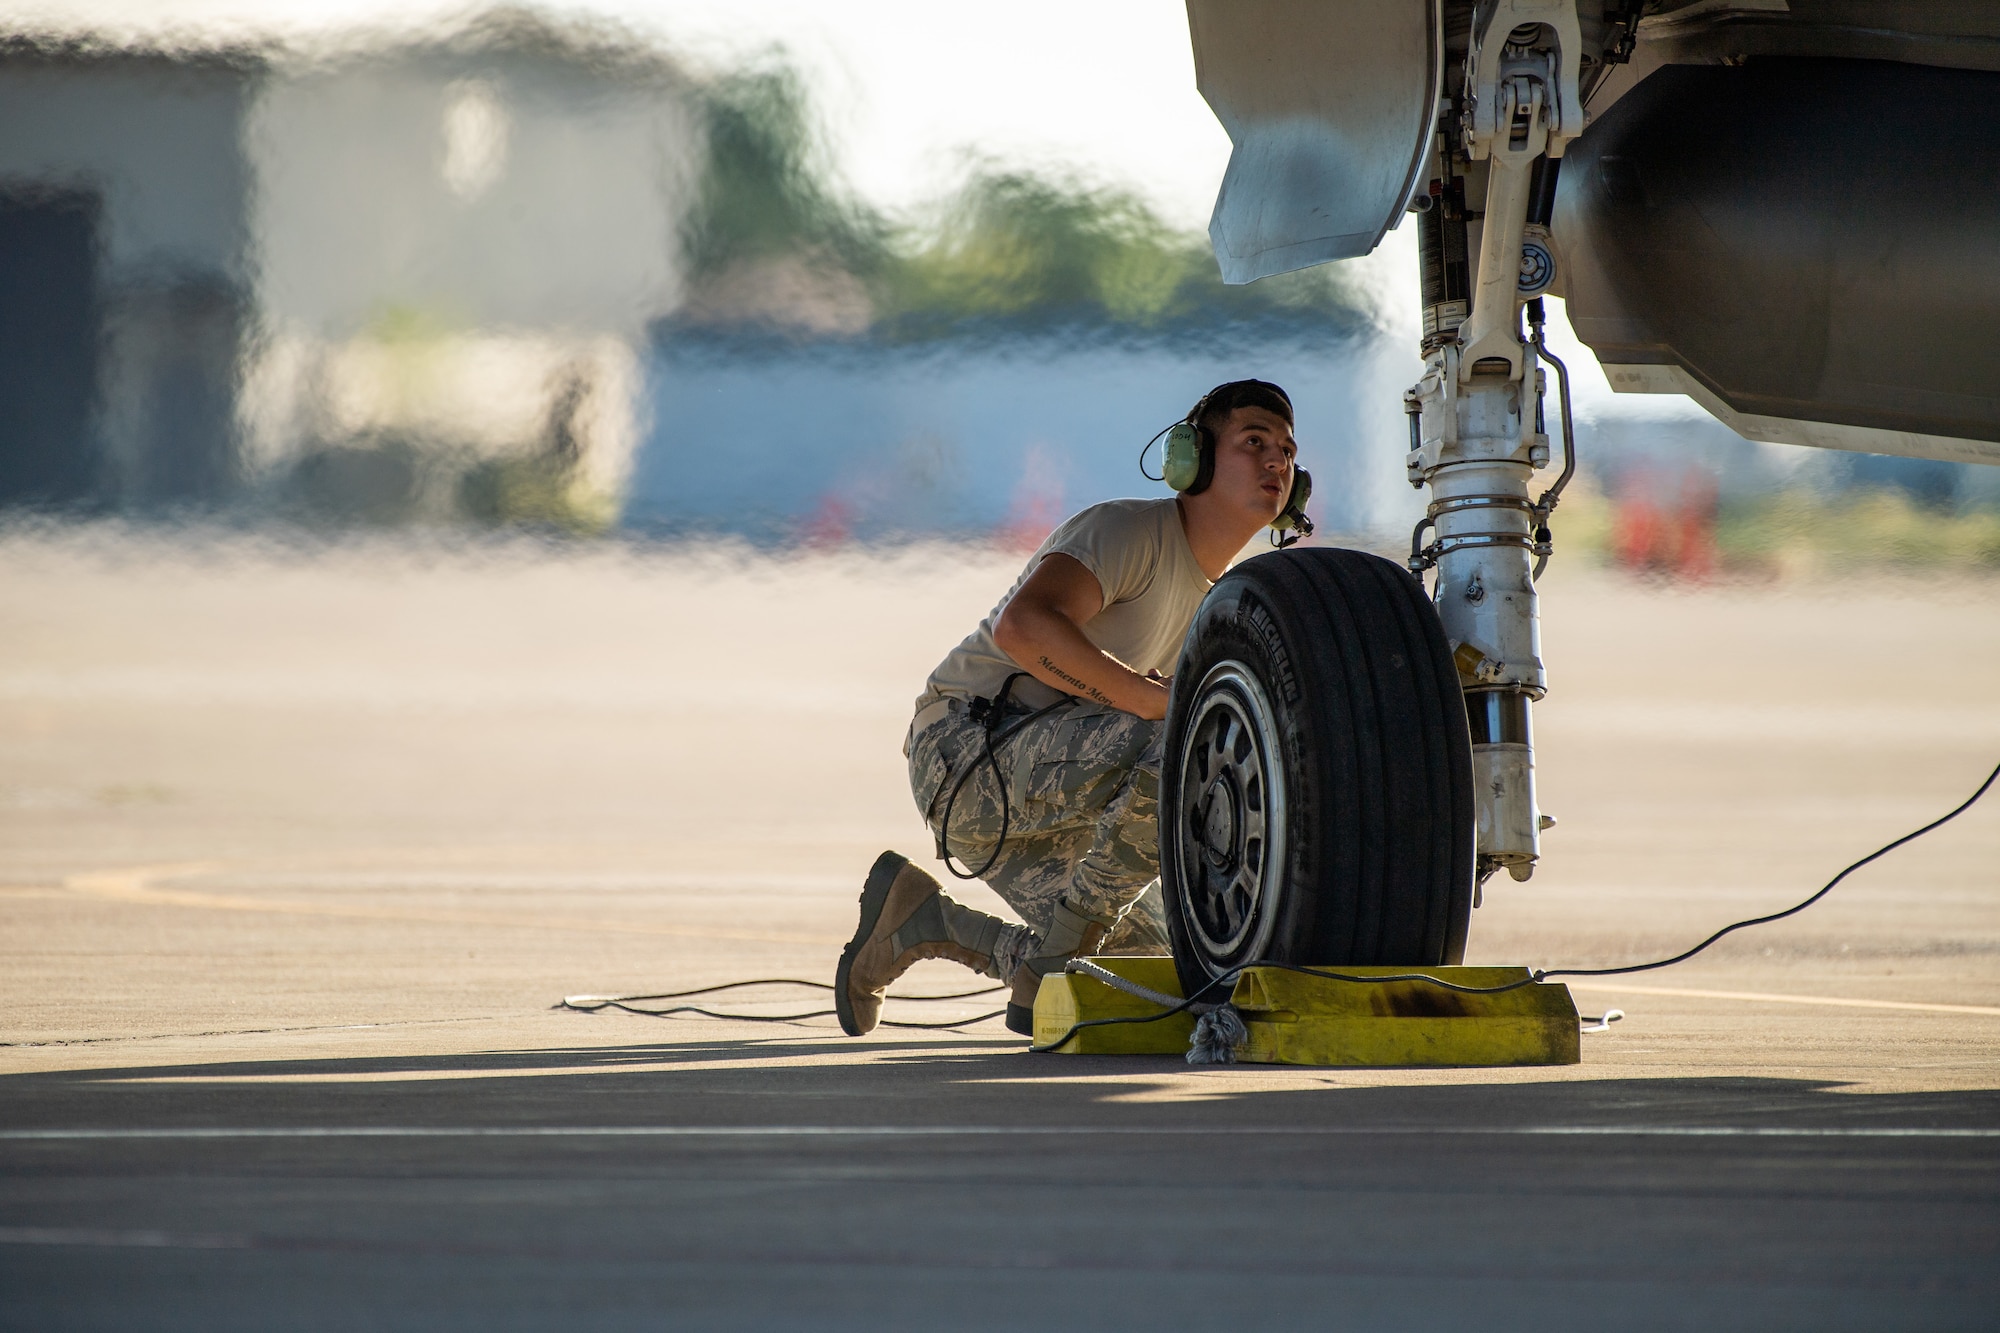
point(1188, 465)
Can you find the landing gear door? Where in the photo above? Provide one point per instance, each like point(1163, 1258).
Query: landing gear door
point(1330, 108)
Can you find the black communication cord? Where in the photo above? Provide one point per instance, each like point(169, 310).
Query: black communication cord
point(592, 1004)
point(989, 713)
point(1148, 448)
point(1879, 852)
point(1537, 975)
point(778, 981)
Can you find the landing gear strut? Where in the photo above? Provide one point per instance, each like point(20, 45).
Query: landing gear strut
point(1478, 428)
point(1348, 760)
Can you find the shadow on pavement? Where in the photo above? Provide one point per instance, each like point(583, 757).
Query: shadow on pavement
point(789, 1081)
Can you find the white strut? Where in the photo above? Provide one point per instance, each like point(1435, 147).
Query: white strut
point(1476, 414)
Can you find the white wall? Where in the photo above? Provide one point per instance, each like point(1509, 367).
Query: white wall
point(463, 192)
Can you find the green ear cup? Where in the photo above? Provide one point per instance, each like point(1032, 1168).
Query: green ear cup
point(1182, 462)
point(1293, 516)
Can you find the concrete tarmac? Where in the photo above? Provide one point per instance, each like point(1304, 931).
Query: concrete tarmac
point(298, 848)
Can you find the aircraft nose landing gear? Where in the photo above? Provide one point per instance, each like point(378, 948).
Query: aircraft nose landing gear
point(1384, 734)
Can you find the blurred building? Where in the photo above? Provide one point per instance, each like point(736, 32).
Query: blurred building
point(394, 280)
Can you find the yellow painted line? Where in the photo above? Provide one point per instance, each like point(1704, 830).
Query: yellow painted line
point(1768, 997)
point(137, 885)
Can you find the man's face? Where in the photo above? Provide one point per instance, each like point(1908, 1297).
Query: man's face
point(1253, 463)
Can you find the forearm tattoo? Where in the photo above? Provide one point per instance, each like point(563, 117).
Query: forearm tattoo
point(1083, 687)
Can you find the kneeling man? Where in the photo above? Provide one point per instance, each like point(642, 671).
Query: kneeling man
point(1035, 750)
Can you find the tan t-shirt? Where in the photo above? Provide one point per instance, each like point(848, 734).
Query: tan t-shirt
point(1152, 588)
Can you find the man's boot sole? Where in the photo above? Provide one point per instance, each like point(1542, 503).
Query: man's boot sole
point(874, 896)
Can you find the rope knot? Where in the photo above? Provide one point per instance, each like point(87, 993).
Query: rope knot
point(1218, 1035)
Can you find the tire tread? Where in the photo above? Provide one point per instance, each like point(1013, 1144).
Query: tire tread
point(1379, 847)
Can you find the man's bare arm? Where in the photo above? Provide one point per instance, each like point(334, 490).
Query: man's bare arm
point(1042, 630)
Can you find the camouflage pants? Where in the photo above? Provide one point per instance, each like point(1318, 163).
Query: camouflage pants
point(1082, 792)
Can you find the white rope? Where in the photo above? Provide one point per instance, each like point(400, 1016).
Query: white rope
point(1219, 1031)
point(1218, 1035)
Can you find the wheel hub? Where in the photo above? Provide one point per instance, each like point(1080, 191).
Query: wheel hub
point(1231, 818)
point(1224, 815)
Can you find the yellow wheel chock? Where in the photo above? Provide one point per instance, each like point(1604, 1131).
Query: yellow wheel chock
point(1295, 1019)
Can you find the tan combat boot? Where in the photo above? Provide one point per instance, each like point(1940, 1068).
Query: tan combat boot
point(905, 917)
point(1071, 934)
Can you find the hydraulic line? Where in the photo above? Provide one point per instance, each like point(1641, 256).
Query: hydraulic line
point(1544, 543)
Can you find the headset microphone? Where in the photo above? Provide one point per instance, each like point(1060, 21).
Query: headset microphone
point(1291, 522)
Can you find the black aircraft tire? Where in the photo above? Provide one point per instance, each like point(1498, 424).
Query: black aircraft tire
point(1316, 784)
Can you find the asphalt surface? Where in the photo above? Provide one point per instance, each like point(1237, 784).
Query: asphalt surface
point(785, 1183)
point(295, 856)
